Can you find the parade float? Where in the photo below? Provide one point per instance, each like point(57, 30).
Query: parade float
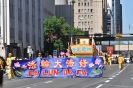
point(83, 48)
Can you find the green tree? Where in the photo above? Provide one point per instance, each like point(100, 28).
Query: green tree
point(61, 28)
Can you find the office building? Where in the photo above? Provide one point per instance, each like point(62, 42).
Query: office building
point(21, 25)
point(65, 10)
point(90, 15)
point(117, 16)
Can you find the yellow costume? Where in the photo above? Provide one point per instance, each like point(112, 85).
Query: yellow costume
point(39, 55)
point(104, 59)
point(110, 61)
point(9, 60)
point(120, 61)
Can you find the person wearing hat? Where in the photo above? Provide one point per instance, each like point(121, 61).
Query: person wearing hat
point(109, 60)
point(120, 61)
point(39, 55)
point(10, 71)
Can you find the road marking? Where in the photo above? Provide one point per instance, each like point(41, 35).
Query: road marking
point(131, 78)
point(48, 81)
point(107, 81)
point(117, 74)
point(114, 76)
point(99, 86)
point(110, 78)
point(28, 87)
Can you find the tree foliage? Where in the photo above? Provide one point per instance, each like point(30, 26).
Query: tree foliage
point(58, 26)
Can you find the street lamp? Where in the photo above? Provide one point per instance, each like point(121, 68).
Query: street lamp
point(71, 10)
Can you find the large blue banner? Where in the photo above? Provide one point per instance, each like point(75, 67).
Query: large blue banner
point(58, 67)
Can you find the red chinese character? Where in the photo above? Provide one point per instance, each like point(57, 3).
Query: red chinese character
point(83, 63)
point(70, 63)
point(58, 63)
point(32, 65)
point(45, 64)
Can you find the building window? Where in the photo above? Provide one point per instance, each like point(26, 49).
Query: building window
point(88, 23)
point(86, 29)
point(82, 11)
point(91, 10)
point(79, 23)
point(91, 22)
point(91, 17)
point(88, 16)
point(85, 17)
point(82, 3)
point(88, 10)
point(79, 4)
point(85, 4)
point(91, 3)
point(82, 23)
point(85, 11)
point(79, 10)
point(88, 3)
point(85, 23)
point(20, 3)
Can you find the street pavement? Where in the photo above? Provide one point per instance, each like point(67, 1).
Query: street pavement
point(112, 78)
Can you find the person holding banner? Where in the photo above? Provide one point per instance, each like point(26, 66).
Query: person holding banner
point(10, 71)
point(2, 68)
point(109, 60)
point(104, 59)
point(39, 55)
point(120, 61)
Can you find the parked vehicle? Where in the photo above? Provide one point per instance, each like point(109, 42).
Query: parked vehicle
point(126, 60)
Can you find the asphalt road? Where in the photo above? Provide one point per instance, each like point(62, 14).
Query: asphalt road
point(112, 78)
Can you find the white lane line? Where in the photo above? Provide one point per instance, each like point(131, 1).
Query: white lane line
point(131, 78)
point(110, 78)
point(107, 81)
point(113, 76)
point(48, 81)
point(28, 87)
point(117, 74)
point(99, 86)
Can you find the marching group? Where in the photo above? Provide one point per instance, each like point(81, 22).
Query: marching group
point(108, 60)
point(6, 64)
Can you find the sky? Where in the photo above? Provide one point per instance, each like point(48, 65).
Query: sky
point(127, 15)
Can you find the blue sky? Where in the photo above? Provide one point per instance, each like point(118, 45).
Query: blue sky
point(127, 13)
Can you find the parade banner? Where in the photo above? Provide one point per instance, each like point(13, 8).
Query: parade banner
point(58, 67)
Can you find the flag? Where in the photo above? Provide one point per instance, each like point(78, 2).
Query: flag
point(129, 27)
point(71, 43)
point(93, 42)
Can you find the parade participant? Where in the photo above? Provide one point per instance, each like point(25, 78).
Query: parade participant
point(120, 61)
point(10, 71)
point(104, 59)
point(1, 72)
point(39, 55)
point(109, 60)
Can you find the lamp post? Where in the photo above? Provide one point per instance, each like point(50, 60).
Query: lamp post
point(71, 15)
